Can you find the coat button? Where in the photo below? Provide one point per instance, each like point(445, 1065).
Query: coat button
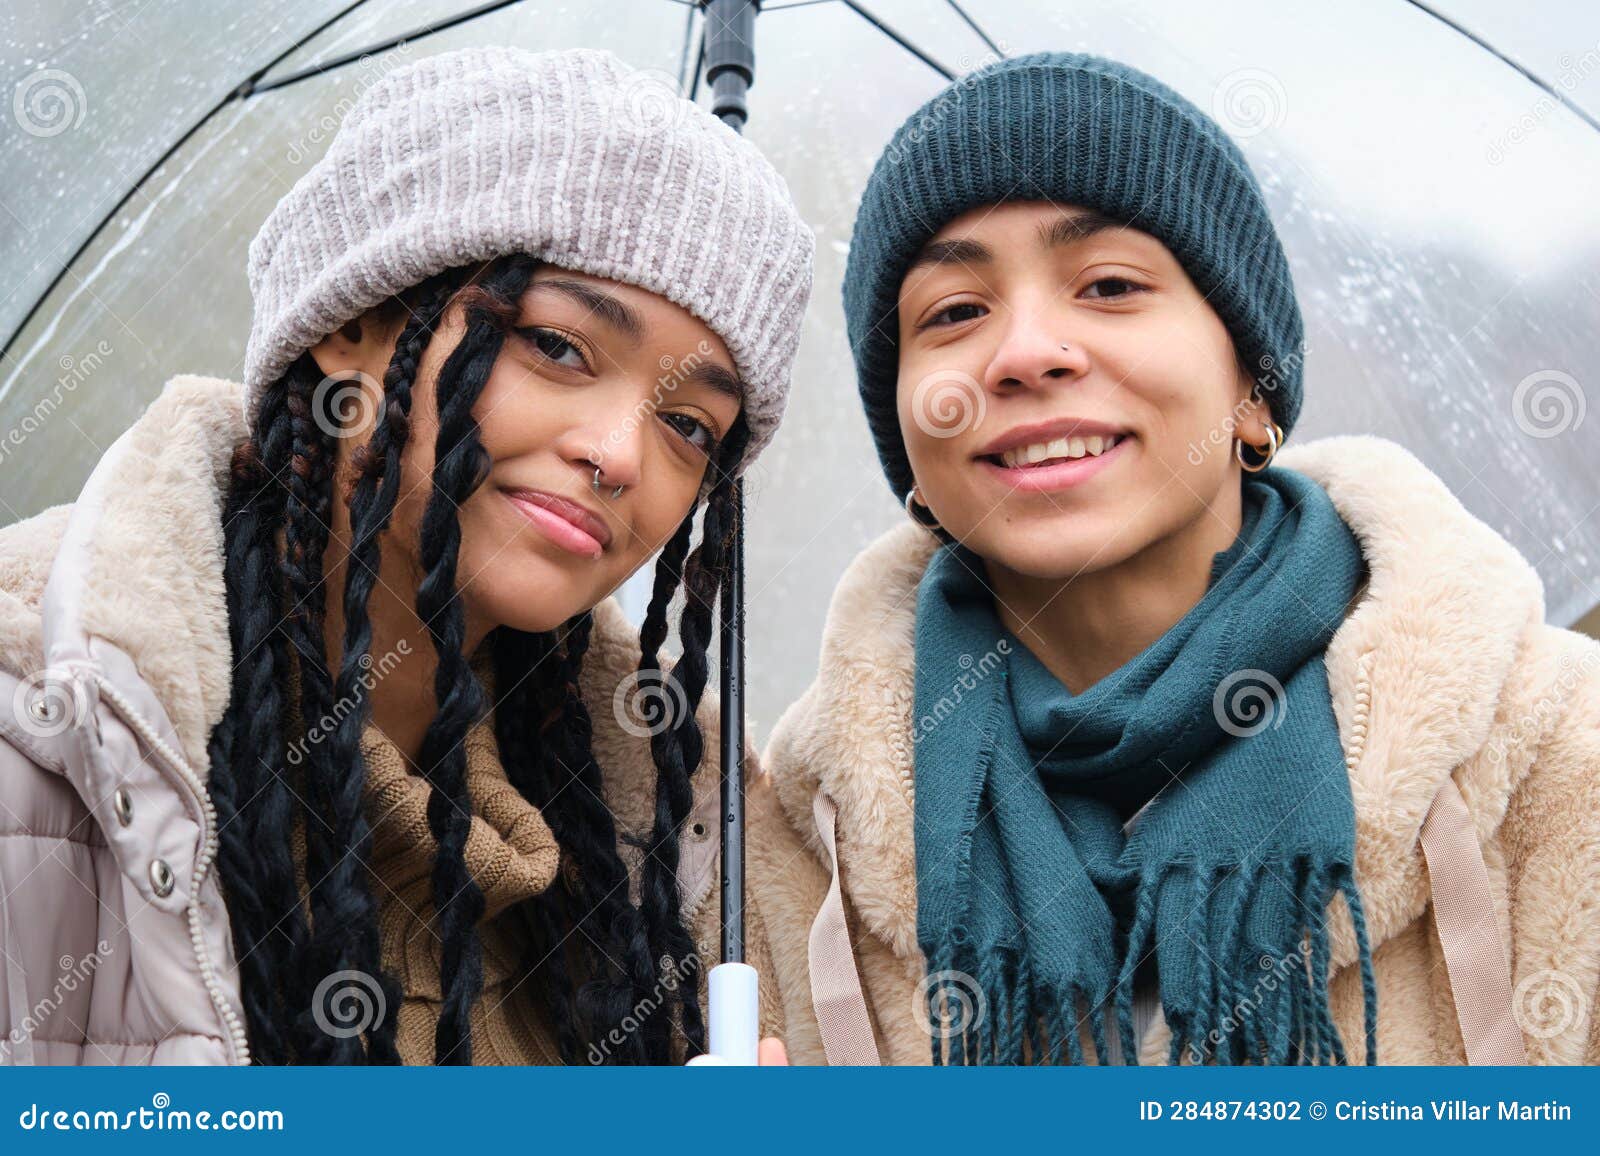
point(161, 877)
point(698, 830)
point(122, 802)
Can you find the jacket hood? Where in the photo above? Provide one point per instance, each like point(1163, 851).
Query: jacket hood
point(1416, 673)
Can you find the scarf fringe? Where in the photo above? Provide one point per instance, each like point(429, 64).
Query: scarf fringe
point(1257, 1004)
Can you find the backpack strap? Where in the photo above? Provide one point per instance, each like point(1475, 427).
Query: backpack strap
point(1469, 931)
point(836, 994)
point(1463, 910)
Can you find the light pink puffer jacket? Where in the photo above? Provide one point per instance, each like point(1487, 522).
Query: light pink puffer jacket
point(115, 946)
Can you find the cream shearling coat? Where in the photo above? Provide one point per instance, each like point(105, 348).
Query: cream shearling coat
point(1444, 667)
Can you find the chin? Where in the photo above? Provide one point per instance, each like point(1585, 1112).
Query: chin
point(1059, 548)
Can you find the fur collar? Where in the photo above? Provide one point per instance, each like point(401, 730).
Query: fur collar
point(1416, 673)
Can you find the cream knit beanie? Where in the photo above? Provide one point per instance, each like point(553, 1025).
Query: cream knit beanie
point(571, 157)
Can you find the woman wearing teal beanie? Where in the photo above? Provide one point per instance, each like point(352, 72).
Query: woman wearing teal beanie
point(1148, 739)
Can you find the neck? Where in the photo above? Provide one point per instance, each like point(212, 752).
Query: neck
point(404, 662)
point(1087, 626)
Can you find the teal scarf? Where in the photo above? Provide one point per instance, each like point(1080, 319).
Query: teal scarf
point(1037, 913)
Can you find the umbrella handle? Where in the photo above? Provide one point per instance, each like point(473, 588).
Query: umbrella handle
point(735, 1012)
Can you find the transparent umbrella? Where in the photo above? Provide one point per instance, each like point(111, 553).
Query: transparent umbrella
point(1431, 169)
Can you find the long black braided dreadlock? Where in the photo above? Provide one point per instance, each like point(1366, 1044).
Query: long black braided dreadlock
point(596, 955)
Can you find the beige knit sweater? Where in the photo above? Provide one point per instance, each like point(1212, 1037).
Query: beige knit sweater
point(511, 854)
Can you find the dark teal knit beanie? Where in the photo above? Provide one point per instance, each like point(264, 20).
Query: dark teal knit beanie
point(1081, 130)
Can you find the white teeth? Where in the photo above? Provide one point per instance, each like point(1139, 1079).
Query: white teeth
point(1059, 448)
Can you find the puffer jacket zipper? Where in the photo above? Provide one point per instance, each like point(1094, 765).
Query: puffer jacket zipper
point(202, 866)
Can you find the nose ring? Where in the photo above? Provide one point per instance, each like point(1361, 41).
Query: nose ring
point(616, 493)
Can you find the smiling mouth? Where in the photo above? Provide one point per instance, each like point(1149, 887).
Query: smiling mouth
point(563, 522)
point(1054, 452)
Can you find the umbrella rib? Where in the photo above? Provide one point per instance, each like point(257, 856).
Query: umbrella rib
point(1565, 101)
point(973, 24)
point(899, 39)
point(251, 88)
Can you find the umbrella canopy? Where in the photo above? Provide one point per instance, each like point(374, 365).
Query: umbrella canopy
point(1431, 169)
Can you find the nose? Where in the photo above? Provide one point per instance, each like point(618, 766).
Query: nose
point(1035, 350)
point(612, 444)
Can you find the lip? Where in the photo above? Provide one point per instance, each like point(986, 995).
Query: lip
point(1046, 431)
point(566, 523)
point(1060, 476)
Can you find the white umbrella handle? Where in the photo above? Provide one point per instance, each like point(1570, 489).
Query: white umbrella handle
point(735, 1016)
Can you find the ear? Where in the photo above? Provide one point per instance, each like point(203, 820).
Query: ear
point(363, 343)
point(1252, 413)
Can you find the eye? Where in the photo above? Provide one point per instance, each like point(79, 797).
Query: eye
point(694, 431)
point(1118, 287)
point(554, 346)
point(954, 314)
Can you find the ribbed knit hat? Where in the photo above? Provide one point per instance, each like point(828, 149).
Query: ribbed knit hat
point(1082, 130)
point(571, 157)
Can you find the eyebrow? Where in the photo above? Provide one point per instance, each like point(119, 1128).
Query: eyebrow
point(1065, 229)
point(617, 314)
point(715, 377)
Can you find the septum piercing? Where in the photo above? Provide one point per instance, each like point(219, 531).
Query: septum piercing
point(616, 493)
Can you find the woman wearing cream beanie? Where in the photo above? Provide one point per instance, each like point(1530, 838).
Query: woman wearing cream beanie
point(528, 317)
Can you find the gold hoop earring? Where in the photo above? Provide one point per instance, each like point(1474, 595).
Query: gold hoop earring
point(914, 499)
point(1274, 440)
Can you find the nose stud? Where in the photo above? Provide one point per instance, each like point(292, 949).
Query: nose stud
point(616, 493)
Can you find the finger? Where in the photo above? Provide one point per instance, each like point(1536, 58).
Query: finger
point(772, 1053)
